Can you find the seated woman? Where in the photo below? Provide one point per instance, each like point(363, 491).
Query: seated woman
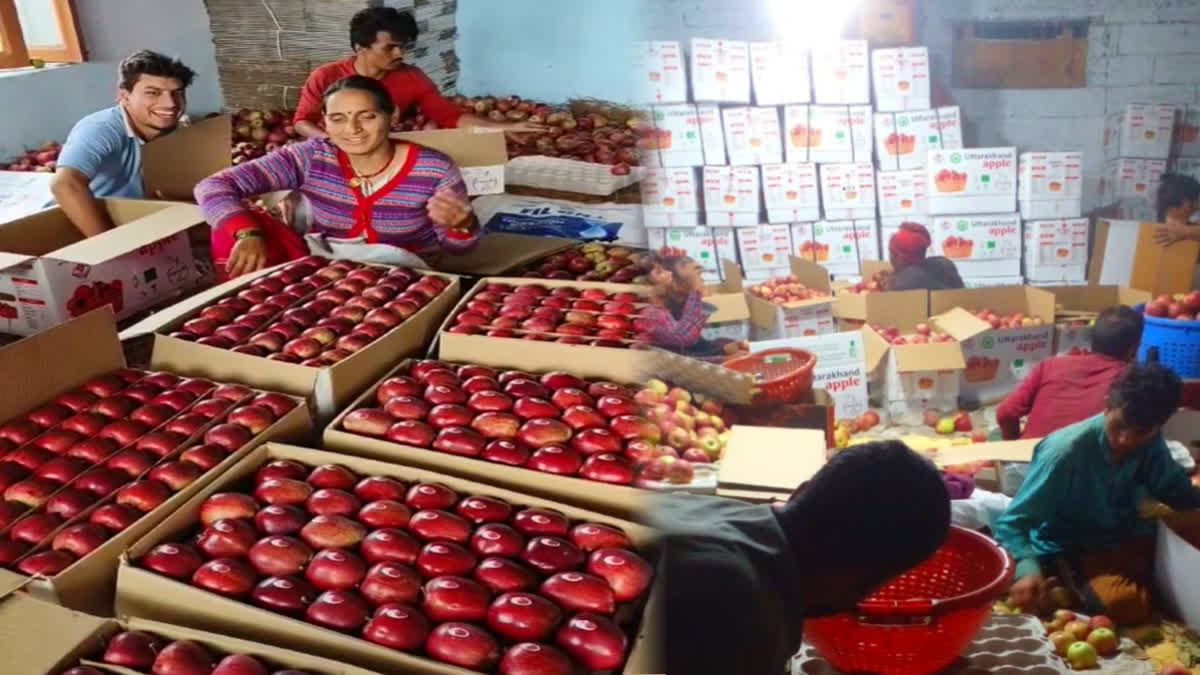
point(678, 313)
point(371, 197)
point(912, 270)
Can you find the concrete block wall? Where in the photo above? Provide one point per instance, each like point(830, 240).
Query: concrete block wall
point(1139, 51)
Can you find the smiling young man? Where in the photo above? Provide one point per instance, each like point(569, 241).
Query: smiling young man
point(1078, 515)
point(102, 156)
point(380, 37)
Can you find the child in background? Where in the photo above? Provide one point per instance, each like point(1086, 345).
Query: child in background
point(677, 313)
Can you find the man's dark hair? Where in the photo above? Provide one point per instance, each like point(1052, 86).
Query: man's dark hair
point(146, 62)
point(1147, 395)
point(1117, 332)
point(877, 506)
point(363, 83)
point(1174, 190)
point(366, 24)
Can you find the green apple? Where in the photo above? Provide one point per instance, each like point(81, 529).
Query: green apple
point(658, 386)
point(1104, 640)
point(1082, 656)
point(945, 425)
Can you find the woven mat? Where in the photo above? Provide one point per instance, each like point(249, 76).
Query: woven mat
point(1008, 644)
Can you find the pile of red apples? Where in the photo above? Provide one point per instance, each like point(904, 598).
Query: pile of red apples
point(79, 469)
point(257, 132)
point(593, 261)
point(876, 284)
point(588, 316)
point(1181, 306)
point(1000, 320)
point(469, 580)
point(553, 422)
point(692, 429)
point(782, 290)
point(144, 652)
point(922, 333)
point(43, 159)
point(314, 312)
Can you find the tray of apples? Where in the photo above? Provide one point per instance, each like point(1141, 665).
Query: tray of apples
point(314, 312)
point(1181, 306)
point(410, 569)
point(588, 316)
point(593, 261)
point(95, 460)
point(783, 290)
point(1001, 320)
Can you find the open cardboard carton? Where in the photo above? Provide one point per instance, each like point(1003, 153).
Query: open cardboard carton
point(771, 321)
point(50, 273)
point(25, 623)
point(503, 252)
point(998, 359)
point(149, 595)
point(479, 156)
point(619, 364)
point(732, 317)
point(172, 165)
point(1076, 306)
point(326, 389)
point(1176, 561)
point(1124, 254)
point(763, 463)
point(62, 358)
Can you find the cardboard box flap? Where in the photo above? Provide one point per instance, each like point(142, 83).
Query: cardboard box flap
point(810, 274)
point(1093, 299)
point(902, 309)
point(129, 236)
point(8, 260)
point(772, 458)
point(35, 636)
point(173, 164)
point(465, 148)
point(699, 377)
point(999, 451)
point(501, 252)
point(871, 267)
point(730, 307)
point(960, 324)
point(1001, 299)
point(921, 358)
point(55, 360)
point(874, 349)
point(38, 233)
point(732, 273)
point(169, 315)
point(1131, 296)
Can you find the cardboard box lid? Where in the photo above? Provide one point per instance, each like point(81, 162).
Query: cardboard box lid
point(772, 458)
point(173, 164)
point(500, 252)
point(36, 636)
point(49, 230)
point(1004, 299)
point(59, 358)
point(462, 146)
point(173, 218)
point(730, 307)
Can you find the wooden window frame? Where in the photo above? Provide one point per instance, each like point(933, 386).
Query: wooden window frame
point(17, 53)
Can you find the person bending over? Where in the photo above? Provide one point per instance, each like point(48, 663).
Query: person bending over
point(678, 314)
point(1078, 515)
point(741, 578)
point(912, 270)
point(1178, 197)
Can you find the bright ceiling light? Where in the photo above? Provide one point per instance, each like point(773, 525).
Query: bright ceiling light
point(811, 22)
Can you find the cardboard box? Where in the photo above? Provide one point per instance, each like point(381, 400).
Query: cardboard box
point(671, 198)
point(1186, 142)
point(500, 252)
point(1126, 255)
point(900, 78)
point(791, 192)
point(148, 595)
point(841, 75)
point(677, 135)
point(903, 140)
point(752, 135)
point(804, 246)
point(1125, 179)
point(325, 389)
point(1050, 185)
point(659, 72)
point(993, 282)
point(731, 320)
point(1056, 250)
point(712, 133)
point(814, 410)
point(848, 190)
point(1075, 306)
point(794, 456)
point(840, 370)
point(725, 244)
point(50, 273)
point(732, 195)
point(974, 180)
point(172, 165)
point(770, 321)
point(763, 246)
point(779, 73)
point(841, 245)
point(901, 194)
point(1139, 130)
point(697, 242)
point(998, 359)
point(720, 71)
point(479, 157)
point(1176, 556)
point(980, 246)
point(827, 133)
point(59, 359)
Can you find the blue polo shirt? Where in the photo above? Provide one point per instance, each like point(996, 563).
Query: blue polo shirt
point(103, 147)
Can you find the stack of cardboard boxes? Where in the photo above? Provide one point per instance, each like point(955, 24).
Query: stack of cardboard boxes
point(1051, 203)
point(1137, 143)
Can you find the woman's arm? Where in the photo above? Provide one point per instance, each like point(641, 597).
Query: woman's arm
point(449, 208)
point(671, 333)
point(221, 196)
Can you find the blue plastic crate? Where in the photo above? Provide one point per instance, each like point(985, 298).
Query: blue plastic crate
point(1178, 343)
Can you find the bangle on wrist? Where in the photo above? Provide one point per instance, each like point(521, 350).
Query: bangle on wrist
point(248, 233)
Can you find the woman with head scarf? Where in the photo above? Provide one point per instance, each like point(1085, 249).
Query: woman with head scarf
point(913, 270)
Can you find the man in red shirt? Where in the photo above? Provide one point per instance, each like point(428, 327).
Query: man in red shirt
point(380, 36)
point(1064, 390)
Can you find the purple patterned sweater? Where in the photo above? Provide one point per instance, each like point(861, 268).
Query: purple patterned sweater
point(393, 214)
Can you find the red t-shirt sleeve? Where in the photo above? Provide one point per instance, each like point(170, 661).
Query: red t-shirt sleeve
point(431, 102)
point(309, 106)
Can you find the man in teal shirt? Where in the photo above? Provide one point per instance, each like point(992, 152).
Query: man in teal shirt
point(1077, 513)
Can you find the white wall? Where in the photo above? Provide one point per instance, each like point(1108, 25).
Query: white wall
point(43, 105)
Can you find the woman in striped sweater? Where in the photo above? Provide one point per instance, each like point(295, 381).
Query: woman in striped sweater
point(363, 187)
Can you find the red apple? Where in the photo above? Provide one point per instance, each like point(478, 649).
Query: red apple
point(556, 459)
point(451, 598)
point(281, 468)
point(582, 417)
point(335, 568)
point(48, 415)
point(86, 423)
point(440, 558)
point(391, 582)
point(227, 505)
point(612, 406)
point(340, 610)
point(397, 626)
point(280, 519)
point(505, 452)
point(177, 561)
point(132, 649)
point(93, 450)
point(21, 461)
point(503, 575)
point(240, 664)
point(411, 432)
point(497, 539)
point(61, 469)
point(114, 516)
point(46, 563)
point(377, 488)
point(228, 436)
point(459, 441)
point(390, 545)
point(226, 576)
point(570, 397)
point(278, 404)
point(540, 432)
point(255, 418)
point(592, 536)
point(227, 539)
point(211, 408)
point(279, 555)
point(596, 441)
point(625, 571)
point(551, 555)
point(100, 481)
point(528, 658)
point(31, 492)
point(289, 595)
point(594, 641)
point(463, 644)
point(608, 467)
point(152, 415)
point(332, 532)
point(68, 503)
point(160, 443)
point(80, 540)
point(523, 616)
point(77, 401)
point(431, 524)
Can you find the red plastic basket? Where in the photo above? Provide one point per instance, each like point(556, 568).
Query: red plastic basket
point(920, 621)
point(781, 375)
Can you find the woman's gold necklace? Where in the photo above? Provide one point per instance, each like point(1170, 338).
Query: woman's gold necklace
point(361, 179)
